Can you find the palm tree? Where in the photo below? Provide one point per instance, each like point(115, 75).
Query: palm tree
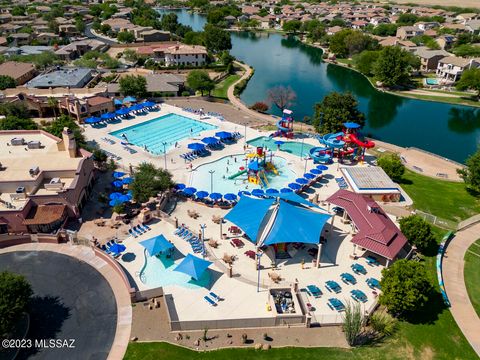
point(53, 103)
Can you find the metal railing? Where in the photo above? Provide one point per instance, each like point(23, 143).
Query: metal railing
point(437, 221)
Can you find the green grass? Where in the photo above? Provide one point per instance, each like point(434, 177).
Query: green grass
point(430, 334)
point(221, 88)
point(445, 199)
point(443, 99)
point(472, 274)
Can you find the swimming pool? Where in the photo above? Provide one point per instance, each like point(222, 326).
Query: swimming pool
point(431, 81)
point(167, 129)
point(229, 165)
point(292, 147)
point(158, 271)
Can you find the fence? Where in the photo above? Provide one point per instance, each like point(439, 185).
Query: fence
point(437, 221)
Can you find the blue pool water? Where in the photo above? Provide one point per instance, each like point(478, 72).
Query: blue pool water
point(292, 147)
point(170, 129)
point(431, 81)
point(226, 166)
point(158, 271)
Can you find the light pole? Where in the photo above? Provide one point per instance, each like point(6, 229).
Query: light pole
point(259, 255)
point(245, 136)
point(211, 180)
point(306, 159)
point(165, 153)
point(203, 226)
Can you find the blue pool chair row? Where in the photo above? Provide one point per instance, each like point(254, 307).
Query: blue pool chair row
point(110, 141)
point(236, 135)
point(348, 278)
point(314, 290)
point(130, 150)
point(359, 295)
point(333, 286)
point(335, 304)
point(212, 298)
point(112, 155)
point(358, 269)
point(342, 184)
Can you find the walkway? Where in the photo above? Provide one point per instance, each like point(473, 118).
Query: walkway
point(453, 265)
point(122, 297)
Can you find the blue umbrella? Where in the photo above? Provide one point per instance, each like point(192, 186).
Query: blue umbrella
point(271, 191)
point(122, 111)
point(129, 99)
point(196, 146)
point(210, 140)
point(316, 171)
point(294, 186)
point(127, 180)
point(309, 176)
point(190, 190)
point(92, 120)
point(137, 107)
point(230, 197)
point(322, 167)
point(351, 125)
point(115, 195)
point(115, 202)
point(118, 174)
point(302, 181)
point(201, 194)
point(279, 142)
point(180, 186)
point(149, 103)
point(117, 183)
point(156, 245)
point(215, 196)
point(193, 266)
point(286, 190)
point(258, 192)
point(125, 198)
point(223, 134)
point(108, 116)
point(117, 102)
point(117, 248)
point(243, 192)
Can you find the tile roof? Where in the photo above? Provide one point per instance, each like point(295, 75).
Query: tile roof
point(45, 214)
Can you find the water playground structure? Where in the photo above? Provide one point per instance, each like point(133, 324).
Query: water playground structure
point(344, 144)
point(285, 125)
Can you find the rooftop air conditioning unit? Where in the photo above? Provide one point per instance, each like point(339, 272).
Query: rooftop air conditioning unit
point(55, 181)
point(17, 141)
point(34, 170)
point(33, 145)
point(20, 190)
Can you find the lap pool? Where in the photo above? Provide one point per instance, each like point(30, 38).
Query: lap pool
point(167, 129)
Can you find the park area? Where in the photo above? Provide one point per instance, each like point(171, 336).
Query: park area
point(472, 275)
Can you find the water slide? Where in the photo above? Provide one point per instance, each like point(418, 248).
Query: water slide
point(280, 127)
point(263, 179)
point(367, 144)
point(333, 140)
point(320, 154)
point(237, 174)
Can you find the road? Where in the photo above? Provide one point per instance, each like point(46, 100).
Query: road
point(91, 35)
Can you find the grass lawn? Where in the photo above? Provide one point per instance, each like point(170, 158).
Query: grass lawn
point(472, 274)
point(430, 334)
point(445, 199)
point(444, 99)
point(221, 88)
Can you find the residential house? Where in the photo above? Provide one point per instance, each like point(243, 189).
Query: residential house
point(429, 58)
point(83, 108)
point(427, 25)
point(68, 29)
point(20, 39)
point(157, 84)
point(67, 78)
point(46, 38)
point(190, 55)
point(473, 26)
point(21, 72)
point(450, 68)
point(407, 32)
point(76, 49)
point(445, 41)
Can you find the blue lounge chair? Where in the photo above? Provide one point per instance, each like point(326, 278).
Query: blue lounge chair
point(215, 296)
point(147, 227)
point(210, 301)
point(130, 231)
point(314, 290)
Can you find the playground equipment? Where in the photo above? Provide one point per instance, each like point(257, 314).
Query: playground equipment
point(258, 167)
point(342, 144)
point(285, 125)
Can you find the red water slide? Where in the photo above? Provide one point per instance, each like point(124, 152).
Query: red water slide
point(367, 144)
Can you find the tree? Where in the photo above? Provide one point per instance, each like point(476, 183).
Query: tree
point(385, 30)
point(466, 50)
point(349, 42)
point(217, 39)
point(79, 25)
point(470, 79)
point(64, 121)
point(407, 19)
point(365, 61)
point(335, 109)
point(130, 55)
point(7, 82)
point(125, 37)
point(149, 181)
point(281, 97)
point(53, 103)
point(11, 122)
point(133, 85)
point(259, 106)
point(215, 16)
point(292, 26)
point(471, 173)
point(198, 80)
point(15, 294)
point(352, 322)
point(418, 232)
point(405, 287)
point(392, 165)
point(12, 109)
point(394, 65)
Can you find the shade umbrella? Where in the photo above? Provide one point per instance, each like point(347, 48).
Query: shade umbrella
point(137, 107)
point(118, 174)
point(215, 196)
point(294, 186)
point(149, 103)
point(115, 195)
point(190, 190)
point(117, 102)
point(243, 192)
point(309, 176)
point(223, 134)
point(127, 180)
point(156, 245)
point(258, 192)
point(201, 194)
point(351, 125)
point(129, 99)
point(279, 142)
point(125, 198)
point(285, 190)
point(117, 248)
point(115, 202)
point(122, 111)
point(271, 191)
point(180, 186)
point(322, 167)
point(107, 116)
point(210, 140)
point(230, 197)
point(316, 171)
point(193, 266)
point(117, 183)
point(301, 181)
point(196, 146)
point(92, 120)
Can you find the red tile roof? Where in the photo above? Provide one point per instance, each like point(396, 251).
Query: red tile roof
point(45, 214)
point(376, 232)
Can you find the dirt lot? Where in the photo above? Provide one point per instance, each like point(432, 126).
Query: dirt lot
point(459, 3)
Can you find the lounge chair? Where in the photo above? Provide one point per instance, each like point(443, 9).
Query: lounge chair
point(314, 291)
point(147, 227)
point(130, 231)
point(179, 230)
point(215, 296)
point(210, 301)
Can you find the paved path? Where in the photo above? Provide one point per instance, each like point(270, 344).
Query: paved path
point(453, 265)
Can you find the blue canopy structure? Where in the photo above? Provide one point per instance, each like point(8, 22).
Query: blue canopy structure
point(309, 176)
point(254, 165)
point(351, 125)
point(92, 120)
point(117, 183)
point(122, 111)
point(127, 180)
point(201, 194)
point(180, 186)
point(196, 146)
point(210, 140)
point(271, 191)
point(244, 192)
point(107, 116)
point(295, 198)
point(216, 196)
point(301, 181)
point(285, 190)
point(230, 197)
point(117, 248)
point(316, 171)
point(296, 224)
point(190, 190)
point(322, 167)
point(129, 99)
point(248, 215)
point(156, 245)
point(223, 134)
point(117, 102)
point(294, 186)
point(118, 174)
point(258, 192)
point(193, 266)
point(115, 195)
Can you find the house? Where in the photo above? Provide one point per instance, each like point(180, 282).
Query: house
point(76, 49)
point(19, 39)
point(189, 55)
point(359, 24)
point(67, 77)
point(44, 186)
point(429, 58)
point(445, 41)
point(82, 108)
point(450, 68)
point(407, 32)
point(46, 38)
point(333, 30)
point(148, 34)
point(68, 29)
point(473, 26)
point(427, 25)
point(21, 72)
point(393, 41)
point(463, 18)
point(157, 84)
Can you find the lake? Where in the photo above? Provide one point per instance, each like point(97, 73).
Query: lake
point(451, 131)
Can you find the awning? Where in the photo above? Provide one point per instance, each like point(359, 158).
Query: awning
point(156, 245)
point(193, 266)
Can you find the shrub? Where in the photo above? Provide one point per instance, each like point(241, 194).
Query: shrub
point(383, 323)
point(392, 165)
point(418, 232)
point(352, 322)
point(260, 107)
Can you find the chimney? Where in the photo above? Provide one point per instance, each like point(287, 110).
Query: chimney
point(69, 143)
